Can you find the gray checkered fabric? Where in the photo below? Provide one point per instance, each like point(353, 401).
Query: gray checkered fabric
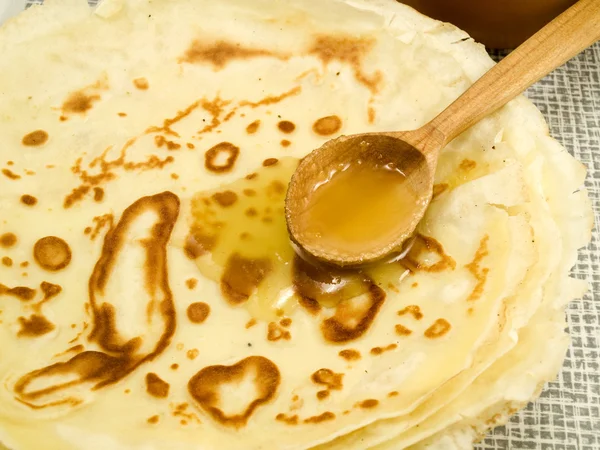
point(567, 415)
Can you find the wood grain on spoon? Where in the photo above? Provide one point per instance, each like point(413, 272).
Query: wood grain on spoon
point(357, 199)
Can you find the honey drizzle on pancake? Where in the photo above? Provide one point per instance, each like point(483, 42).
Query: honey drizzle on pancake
point(238, 238)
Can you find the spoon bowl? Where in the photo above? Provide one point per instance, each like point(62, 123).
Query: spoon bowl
point(358, 153)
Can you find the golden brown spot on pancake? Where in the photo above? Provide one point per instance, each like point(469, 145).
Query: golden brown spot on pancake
point(52, 253)
point(285, 143)
point(270, 162)
point(174, 366)
point(79, 102)
point(393, 288)
point(126, 354)
point(76, 195)
point(169, 122)
point(286, 322)
point(191, 283)
point(320, 418)
point(28, 200)
point(6, 261)
point(161, 141)
point(392, 394)
point(98, 194)
point(439, 189)
point(467, 165)
point(100, 222)
point(350, 354)
point(192, 354)
point(153, 420)
point(197, 244)
point(216, 152)
point(329, 378)
point(102, 170)
point(36, 325)
point(439, 328)
point(35, 138)
point(242, 276)
point(352, 320)
point(285, 126)
point(251, 323)
point(322, 395)
point(190, 146)
point(414, 285)
point(215, 108)
point(220, 53)
point(251, 212)
point(180, 410)
point(225, 198)
point(379, 350)
point(371, 114)
point(290, 420)
point(253, 127)
point(198, 312)
point(413, 310)
point(425, 244)
point(368, 404)
point(475, 269)
point(10, 174)
point(141, 83)
point(50, 291)
point(8, 240)
point(350, 50)
point(24, 264)
point(272, 99)
point(402, 330)
point(204, 387)
point(276, 332)
point(155, 386)
point(340, 289)
point(122, 114)
point(21, 292)
point(326, 126)
point(75, 349)
point(249, 192)
point(174, 176)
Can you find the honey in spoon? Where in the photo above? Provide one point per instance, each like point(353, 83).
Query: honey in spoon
point(357, 199)
point(357, 203)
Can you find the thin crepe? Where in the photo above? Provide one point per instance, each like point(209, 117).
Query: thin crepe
point(122, 92)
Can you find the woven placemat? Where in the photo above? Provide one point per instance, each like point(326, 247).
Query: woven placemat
point(567, 415)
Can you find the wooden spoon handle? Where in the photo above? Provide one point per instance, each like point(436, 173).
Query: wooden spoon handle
point(560, 40)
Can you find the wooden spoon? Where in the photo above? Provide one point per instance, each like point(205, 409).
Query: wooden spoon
point(411, 156)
